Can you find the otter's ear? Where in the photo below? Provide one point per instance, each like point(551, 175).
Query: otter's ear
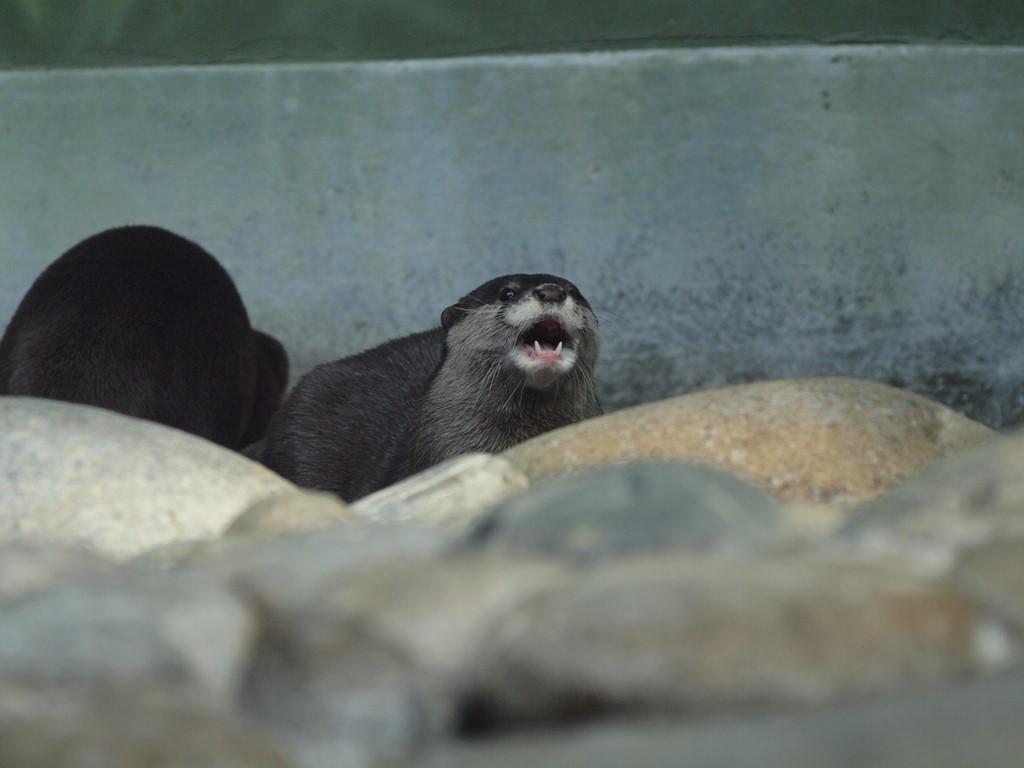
point(451, 314)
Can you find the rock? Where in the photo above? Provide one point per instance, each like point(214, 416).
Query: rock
point(26, 568)
point(618, 511)
point(995, 574)
point(291, 513)
point(373, 657)
point(92, 478)
point(454, 493)
point(180, 638)
point(951, 726)
point(290, 569)
point(127, 733)
point(964, 501)
point(689, 634)
point(828, 440)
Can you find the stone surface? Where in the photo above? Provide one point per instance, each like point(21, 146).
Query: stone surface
point(964, 501)
point(92, 478)
point(619, 511)
point(697, 635)
point(454, 493)
point(128, 733)
point(319, 637)
point(375, 656)
point(828, 440)
point(995, 574)
point(182, 638)
point(977, 724)
point(290, 513)
point(26, 568)
point(286, 569)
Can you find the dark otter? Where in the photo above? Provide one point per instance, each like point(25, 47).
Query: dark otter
point(144, 322)
point(512, 359)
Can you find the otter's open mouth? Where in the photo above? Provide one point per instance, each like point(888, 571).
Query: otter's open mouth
point(546, 340)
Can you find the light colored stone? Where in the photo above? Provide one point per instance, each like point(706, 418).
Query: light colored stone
point(637, 508)
point(185, 638)
point(688, 634)
point(290, 513)
point(376, 656)
point(285, 571)
point(951, 726)
point(995, 574)
point(964, 501)
point(88, 477)
point(453, 493)
point(31, 567)
point(828, 440)
point(128, 733)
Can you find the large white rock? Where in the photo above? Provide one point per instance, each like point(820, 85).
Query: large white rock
point(114, 484)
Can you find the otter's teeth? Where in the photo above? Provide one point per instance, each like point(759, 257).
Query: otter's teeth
point(558, 349)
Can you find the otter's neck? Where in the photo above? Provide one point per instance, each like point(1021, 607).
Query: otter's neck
point(457, 416)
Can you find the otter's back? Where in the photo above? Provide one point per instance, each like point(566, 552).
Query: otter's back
point(344, 427)
point(140, 321)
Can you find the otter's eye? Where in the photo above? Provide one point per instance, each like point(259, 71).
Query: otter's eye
point(506, 294)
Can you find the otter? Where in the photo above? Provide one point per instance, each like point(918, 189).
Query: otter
point(513, 358)
point(141, 321)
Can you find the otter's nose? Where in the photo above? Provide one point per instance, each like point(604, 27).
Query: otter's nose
point(551, 294)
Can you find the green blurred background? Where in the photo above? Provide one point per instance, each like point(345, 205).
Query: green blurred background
point(58, 33)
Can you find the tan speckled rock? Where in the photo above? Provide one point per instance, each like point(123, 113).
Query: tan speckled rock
point(93, 478)
point(826, 441)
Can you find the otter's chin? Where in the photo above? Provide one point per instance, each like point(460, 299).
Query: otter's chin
point(542, 366)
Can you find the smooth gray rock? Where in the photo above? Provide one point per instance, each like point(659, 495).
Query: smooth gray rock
point(290, 569)
point(92, 478)
point(619, 511)
point(290, 513)
point(129, 733)
point(142, 636)
point(689, 634)
point(963, 501)
point(952, 726)
point(26, 568)
point(453, 494)
point(374, 657)
point(995, 574)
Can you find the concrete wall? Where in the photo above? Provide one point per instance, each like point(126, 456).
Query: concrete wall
point(733, 213)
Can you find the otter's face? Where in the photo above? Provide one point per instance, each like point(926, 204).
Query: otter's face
point(547, 328)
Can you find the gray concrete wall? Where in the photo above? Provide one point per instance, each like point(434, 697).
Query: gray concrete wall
point(733, 213)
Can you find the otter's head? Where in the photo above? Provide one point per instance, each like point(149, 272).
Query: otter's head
point(537, 327)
